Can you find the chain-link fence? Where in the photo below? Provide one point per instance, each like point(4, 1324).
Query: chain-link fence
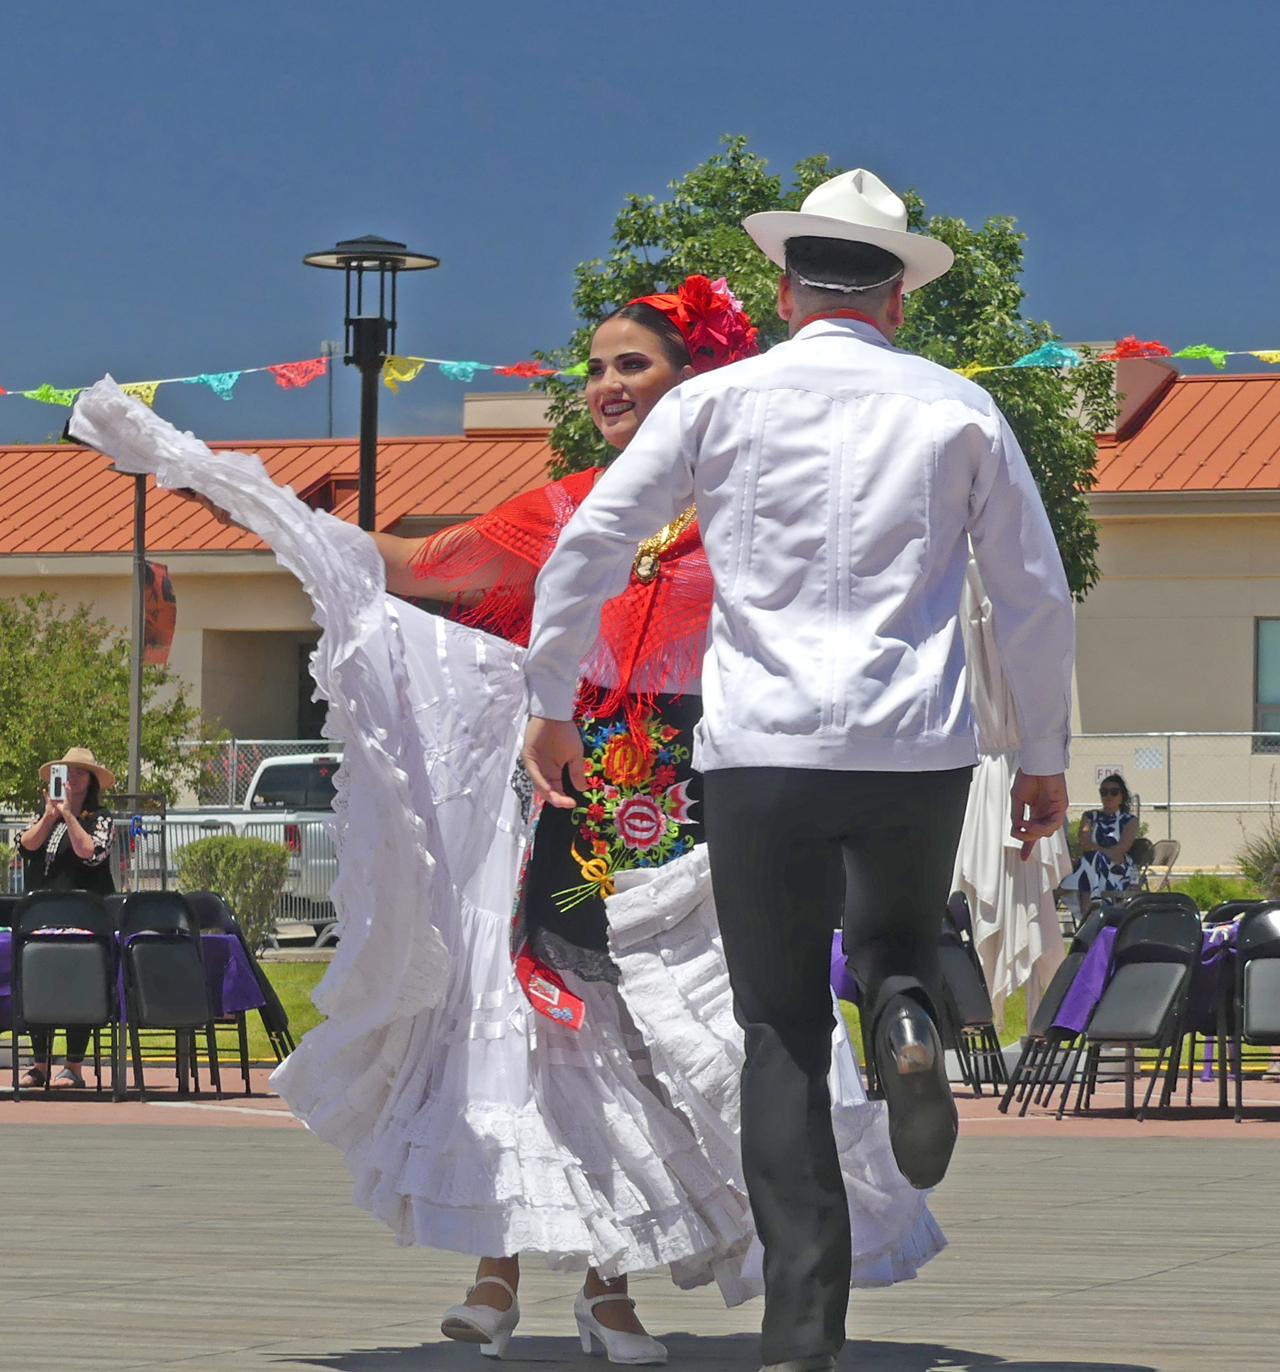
point(145, 849)
point(225, 776)
point(1208, 791)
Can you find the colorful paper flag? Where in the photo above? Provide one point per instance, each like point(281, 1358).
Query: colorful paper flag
point(525, 369)
point(397, 370)
point(220, 383)
point(1214, 355)
point(1135, 347)
point(291, 374)
point(142, 390)
point(1050, 355)
point(462, 371)
point(50, 395)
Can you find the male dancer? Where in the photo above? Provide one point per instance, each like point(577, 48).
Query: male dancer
point(839, 482)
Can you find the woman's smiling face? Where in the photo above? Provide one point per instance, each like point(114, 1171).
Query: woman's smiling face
point(627, 374)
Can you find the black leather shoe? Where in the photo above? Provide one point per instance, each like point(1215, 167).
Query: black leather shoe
point(821, 1362)
point(923, 1121)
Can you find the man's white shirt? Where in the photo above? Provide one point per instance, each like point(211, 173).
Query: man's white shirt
point(839, 481)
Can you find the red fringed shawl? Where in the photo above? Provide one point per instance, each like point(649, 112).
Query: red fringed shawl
point(652, 636)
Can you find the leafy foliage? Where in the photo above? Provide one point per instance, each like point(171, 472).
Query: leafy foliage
point(1259, 858)
point(1208, 889)
point(64, 682)
point(970, 314)
point(248, 873)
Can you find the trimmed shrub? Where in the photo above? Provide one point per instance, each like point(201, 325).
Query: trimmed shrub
point(248, 873)
point(1259, 859)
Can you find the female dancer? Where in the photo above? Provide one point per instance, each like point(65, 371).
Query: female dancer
point(469, 1122)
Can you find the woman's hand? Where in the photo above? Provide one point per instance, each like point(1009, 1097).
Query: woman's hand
point(551, 745)
point(34, 835)
point(215, 510)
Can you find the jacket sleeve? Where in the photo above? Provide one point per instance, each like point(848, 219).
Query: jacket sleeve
point(645, 488)
point(1032, 614)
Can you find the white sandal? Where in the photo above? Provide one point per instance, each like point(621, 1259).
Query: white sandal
point(486, 1325)
point(618, 1344)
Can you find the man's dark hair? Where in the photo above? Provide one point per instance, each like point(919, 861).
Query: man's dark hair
point(860, 273)
point(669, 337)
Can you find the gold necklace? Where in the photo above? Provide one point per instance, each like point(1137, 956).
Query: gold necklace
point(649, 553)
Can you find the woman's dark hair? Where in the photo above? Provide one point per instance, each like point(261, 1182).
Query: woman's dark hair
point(91, 794)
point(669, 337)
point(1115, 779)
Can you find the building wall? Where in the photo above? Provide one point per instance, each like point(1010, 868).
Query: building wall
point(1166, 640)
point(1166, 644)
point(240, 620)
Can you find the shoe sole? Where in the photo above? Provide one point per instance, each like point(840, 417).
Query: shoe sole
point(463, 1332)
point(923, 1120)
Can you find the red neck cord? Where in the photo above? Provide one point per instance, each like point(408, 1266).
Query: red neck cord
point(839, 314)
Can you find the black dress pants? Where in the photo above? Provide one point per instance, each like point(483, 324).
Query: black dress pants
point(77, 1044)
point(787, 847)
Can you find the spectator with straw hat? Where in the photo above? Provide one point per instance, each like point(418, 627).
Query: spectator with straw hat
point(66, 849)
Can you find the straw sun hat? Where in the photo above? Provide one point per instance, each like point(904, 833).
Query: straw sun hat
point(82, 757)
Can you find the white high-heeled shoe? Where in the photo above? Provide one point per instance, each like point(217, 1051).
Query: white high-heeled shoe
point(620, 1346)
point(486, 1325)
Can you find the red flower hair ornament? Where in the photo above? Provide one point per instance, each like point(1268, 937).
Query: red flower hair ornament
point(716, 328)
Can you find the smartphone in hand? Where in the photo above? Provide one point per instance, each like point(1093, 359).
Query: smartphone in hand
point(58, 781)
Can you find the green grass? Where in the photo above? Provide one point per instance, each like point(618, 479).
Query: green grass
point(293, 982)
point(1015, 1020)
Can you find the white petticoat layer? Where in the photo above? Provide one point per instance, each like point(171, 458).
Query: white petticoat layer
point(664, 936)
point(468, 1122)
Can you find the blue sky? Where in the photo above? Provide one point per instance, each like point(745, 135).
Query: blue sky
point(164, 168)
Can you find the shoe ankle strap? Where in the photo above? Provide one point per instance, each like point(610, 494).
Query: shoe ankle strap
point(593, 1301)
point(493, 1281)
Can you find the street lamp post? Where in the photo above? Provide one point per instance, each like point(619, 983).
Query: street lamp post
point(370, 337)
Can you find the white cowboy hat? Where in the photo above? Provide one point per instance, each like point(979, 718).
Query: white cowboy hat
point(857, 207)
point(82, 757)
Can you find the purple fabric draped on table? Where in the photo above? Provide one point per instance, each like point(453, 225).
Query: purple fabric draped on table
point(227, 971)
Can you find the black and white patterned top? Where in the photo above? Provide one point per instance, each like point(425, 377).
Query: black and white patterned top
point(56, 866)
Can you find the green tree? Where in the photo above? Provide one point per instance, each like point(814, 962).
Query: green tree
point(971, 314)
point(64, 682)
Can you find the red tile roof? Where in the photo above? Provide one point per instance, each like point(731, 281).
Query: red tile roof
point(59, 498)
point(1206, 433)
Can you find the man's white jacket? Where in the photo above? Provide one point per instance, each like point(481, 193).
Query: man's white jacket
point(838, 482)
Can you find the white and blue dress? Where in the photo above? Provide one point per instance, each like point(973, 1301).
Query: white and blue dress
point(1095, 871)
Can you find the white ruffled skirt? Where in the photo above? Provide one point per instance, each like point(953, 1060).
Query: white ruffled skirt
point(469, 1122)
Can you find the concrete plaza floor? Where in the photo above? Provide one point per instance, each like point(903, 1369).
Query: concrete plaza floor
point(183, 1245)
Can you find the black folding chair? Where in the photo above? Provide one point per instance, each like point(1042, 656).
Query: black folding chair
point(217, 917)
point(64, 973)
point(1256, 1018)
point(8, 908)
point(1213, 1024)
point(164, 982)
point(275, 1019)
point(1144, 1001)
point(966, 1011)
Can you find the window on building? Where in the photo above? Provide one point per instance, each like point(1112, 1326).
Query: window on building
point(1266, 695)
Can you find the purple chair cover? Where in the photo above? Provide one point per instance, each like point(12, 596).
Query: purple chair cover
point(1086, 990)
point(842, 982)
point(6, 978)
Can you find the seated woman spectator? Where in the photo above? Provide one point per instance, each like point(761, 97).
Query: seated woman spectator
point(1106, 836)
point(66, 849)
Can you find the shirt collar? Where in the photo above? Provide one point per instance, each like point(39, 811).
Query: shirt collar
point(834, 327)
